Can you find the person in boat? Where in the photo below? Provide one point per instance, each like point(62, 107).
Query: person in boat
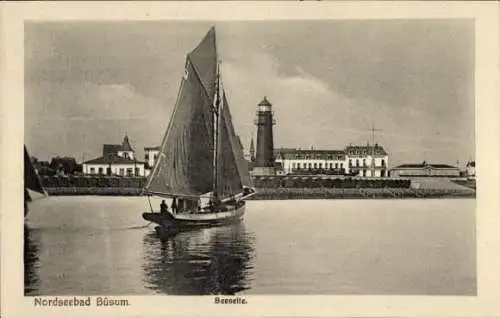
point(214, 204)
point(198, 206)
point(174, 205)
point(211, 206)
point(163, 207)
point(246, 191)
point(232, 201)
point(180, 205)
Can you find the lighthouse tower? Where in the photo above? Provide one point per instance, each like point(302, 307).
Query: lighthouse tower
point(264, 158)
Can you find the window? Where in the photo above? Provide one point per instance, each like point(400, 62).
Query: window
point(125, 155)
point(155, 156)
point(320, 165)
point(122, 172)
point(129, 172)
point(364, 173)
point(304, 165)
point(331, 165)
point(350, 162)
point(307, 156)
point(382, 163)
point(341, 165)
point(146, 156)
point(293, 165)
point(137, 171)
point(310, 165)
point(364, 162)
point(92, 170)
point(108, 171)
point(100, 170)
point(315, 165)
point(357, 162)
point(336, 165)
point(382, 173)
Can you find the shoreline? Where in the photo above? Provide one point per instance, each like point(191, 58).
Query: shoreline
point(293, 193)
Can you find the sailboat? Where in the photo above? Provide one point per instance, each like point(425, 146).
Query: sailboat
point(31, 181)
point(200, 165)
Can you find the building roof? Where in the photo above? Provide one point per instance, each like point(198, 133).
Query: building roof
point(471, 164)
point(365, 150)
point(152, 148)
point(265, 102)
point(113, 159)
point(277, 151)
point(126, 144)
point(423, 165)
point(292, 153)
point(108, 149)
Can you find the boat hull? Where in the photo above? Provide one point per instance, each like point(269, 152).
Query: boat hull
point(232, 215)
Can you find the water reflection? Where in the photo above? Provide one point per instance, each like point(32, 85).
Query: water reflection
point(31, 260)
point(208, 261)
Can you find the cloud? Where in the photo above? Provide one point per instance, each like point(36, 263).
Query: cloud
point(86, 87)
point(81, 117)
point(307, 110)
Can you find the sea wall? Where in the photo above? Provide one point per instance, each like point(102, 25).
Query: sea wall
point(271, 188)
point(91, 182)
point(358, 193)
point(94, 191)
point(324, 181)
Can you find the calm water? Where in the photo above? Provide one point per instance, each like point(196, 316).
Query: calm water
point(101, 245)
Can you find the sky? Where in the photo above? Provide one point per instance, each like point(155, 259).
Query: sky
point(90, 83)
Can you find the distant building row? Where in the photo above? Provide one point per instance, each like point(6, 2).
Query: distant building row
point(434, 170)
point(364, 161)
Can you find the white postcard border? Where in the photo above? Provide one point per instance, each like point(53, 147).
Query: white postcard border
point(486, 304)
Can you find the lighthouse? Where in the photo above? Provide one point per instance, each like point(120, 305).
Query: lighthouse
point(264, 157)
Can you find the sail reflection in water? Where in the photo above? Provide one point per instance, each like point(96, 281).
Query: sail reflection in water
point(31, 261)
point(200, 262)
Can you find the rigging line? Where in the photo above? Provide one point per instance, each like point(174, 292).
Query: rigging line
point(169, 128)
point(149, 200)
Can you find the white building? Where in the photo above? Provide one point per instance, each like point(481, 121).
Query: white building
point(367, 161)
point(115, 160)
point(302, 161)
point(363, 161)
point(150, 156)
point(425, 170)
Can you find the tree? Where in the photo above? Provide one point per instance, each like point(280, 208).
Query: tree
point(65, 165)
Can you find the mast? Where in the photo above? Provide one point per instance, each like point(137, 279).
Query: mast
point(372, 164)
point(216, 111)
point(200, 127)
